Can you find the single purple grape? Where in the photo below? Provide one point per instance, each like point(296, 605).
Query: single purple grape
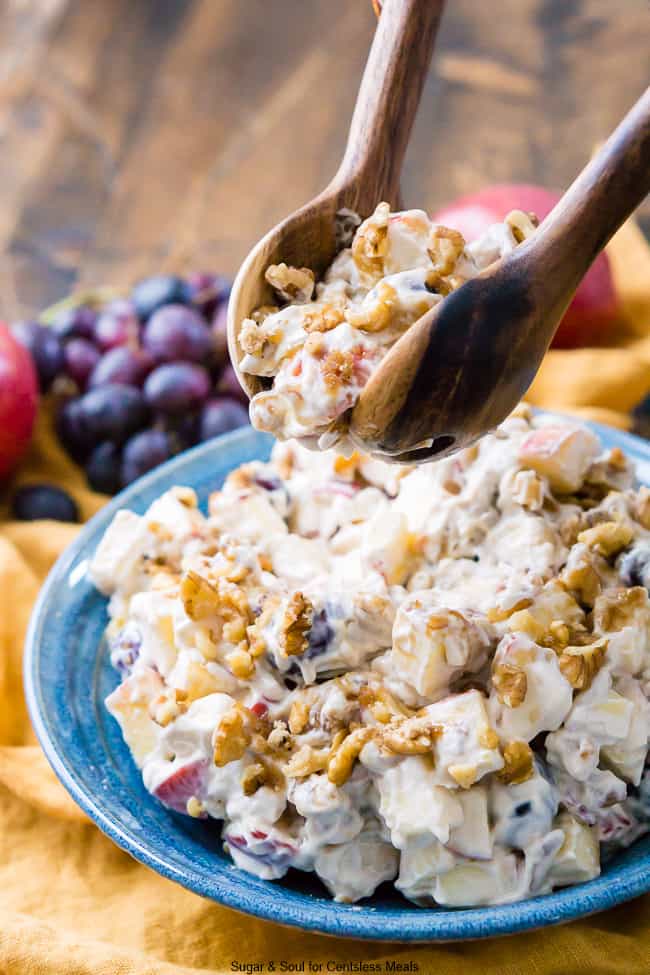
point(142, 453)
point(228, 385)
point(152, 293)
point(177, 386)
point(103, 468)
point(175, 332)
point(125, 648)
point(45, 349)
point(36, 501)
point(72, 430)
point(208, 291)
point(77, 323)
point(220, 335)
point(113, 412)
point(123, 364)
point(81, 357)
point(117, 325)
point(220, 415)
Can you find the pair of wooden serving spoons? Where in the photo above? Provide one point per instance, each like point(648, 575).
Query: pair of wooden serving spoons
point(460, 369)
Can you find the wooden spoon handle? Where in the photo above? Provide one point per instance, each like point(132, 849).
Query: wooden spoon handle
point(388, 99)
point(603, 196)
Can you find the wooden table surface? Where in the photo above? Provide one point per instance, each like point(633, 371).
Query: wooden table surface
point(140, 134)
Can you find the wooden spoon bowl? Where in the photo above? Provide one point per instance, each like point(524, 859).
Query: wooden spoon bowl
point(369, 172)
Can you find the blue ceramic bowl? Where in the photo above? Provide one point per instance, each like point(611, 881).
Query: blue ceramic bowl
point(68, 675)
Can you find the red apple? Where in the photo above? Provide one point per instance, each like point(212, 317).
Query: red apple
point(594, 309)
point(18, 400)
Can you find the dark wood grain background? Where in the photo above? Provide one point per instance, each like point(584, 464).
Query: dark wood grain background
point(140, 134)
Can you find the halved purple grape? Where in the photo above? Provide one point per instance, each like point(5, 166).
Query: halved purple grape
point(78, 323)
point(45, 349)
point(143, 452)
point(220, 335)
point(228, 385)
point(36, 501)
point(220, 415)
point(208, 291)
point(123, 364)
point(103, 468)
point(320, 636)
point(177, 386)
point(80, 357)
point(113, 412)
point(117, 325)
point(152, 293)
point(175, 332)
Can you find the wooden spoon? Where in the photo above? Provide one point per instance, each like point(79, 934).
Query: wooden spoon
point(369, 172)
point(461, 368)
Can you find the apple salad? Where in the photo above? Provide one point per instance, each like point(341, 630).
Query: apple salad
point(318, 345)
point(435, 676)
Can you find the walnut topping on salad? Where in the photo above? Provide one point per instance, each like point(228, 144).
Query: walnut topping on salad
point(373, 676)
point(318, 346)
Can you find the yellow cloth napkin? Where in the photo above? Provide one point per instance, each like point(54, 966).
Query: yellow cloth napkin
point(72, 903)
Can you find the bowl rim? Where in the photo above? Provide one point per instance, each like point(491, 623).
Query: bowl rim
point(362, 921)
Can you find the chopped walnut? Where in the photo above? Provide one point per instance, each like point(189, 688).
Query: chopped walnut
point(410, 737)
point(518, 763)
point(581, 664)
point(370, 244)
point(580, 575)
point(298, 716)
point(378, 316)
point(497, 614)
point(306, 761)
point(199, 597)
point(521, 224)
point(167, 707)
point(445, 248)
point(337, 369)
point(510, 684)
point(291, 283)
point(608, 538)
point(343, 757)
point(322, 318)
point(253, 778)
point(296, 625)
point(232, 736)
point(616, 609)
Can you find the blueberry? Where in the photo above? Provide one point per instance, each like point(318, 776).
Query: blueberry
point(162, 289)
point(36, 501)
point(103, 468)
point(634, 566)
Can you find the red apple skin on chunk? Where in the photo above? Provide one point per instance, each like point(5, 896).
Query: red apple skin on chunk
point(594, 311)
point(185, 782)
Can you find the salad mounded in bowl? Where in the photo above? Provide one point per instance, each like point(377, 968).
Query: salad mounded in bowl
point(435, 676)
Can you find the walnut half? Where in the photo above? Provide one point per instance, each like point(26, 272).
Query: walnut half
point(510, 683)
point(518, 763)
point(581, 664)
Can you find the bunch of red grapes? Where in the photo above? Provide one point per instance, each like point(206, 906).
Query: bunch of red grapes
point(146, 376)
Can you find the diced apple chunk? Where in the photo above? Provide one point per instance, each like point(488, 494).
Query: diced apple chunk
point(562, 454)
point(578, 859)
point(129, 704)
